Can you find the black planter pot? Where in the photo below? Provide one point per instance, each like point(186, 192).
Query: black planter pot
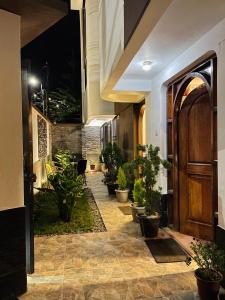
point(149, 226)
point(130, 195)
point(207, 290)
point(112, 188)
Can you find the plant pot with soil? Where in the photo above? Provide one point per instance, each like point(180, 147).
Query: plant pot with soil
point(138, 208)
point(122, 191)
point(211, 263)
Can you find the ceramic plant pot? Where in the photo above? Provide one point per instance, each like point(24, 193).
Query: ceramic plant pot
point(137, 211)
point(208, 290)
point(122, 195)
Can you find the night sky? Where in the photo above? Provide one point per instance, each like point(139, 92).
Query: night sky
point(60, 47)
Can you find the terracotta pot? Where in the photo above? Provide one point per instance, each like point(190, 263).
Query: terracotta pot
point(208, 290)
point(137, 211)
point(92, 167)
point(149, 226)
point(122, 196)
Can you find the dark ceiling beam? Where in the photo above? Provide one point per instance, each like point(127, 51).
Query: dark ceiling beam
point(36, 15)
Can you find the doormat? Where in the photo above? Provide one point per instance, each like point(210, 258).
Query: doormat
point(166, 250)
point(126, 210)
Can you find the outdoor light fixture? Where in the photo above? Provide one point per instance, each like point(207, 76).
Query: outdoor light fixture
point(33, 81)
point(146, 65)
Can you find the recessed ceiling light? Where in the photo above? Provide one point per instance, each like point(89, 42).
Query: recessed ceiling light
point(146, 65)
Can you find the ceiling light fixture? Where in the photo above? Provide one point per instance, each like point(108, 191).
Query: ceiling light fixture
point(146, 65)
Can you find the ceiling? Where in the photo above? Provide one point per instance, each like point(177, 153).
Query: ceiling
point(182, 24)
point(36, 15)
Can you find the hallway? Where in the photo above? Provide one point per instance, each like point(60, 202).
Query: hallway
point(112, 265)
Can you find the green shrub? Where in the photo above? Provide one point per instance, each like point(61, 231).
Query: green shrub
point(139, 193)
point(209, 258)
point(121, 180)
point(148, 167)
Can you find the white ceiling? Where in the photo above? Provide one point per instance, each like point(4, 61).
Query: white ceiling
point(183, 23)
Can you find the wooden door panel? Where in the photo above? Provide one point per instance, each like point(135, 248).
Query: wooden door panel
point(200, 204)
point(199, 130)
point(195, 165)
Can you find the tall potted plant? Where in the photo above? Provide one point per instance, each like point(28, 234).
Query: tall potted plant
point(122, 191)
point(149, 166)
point(129, 170)
point(138, 207)
point(111, 156)
point(211, 263)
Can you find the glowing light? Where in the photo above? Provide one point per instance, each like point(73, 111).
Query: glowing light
point(146, 65)
point(33, 81)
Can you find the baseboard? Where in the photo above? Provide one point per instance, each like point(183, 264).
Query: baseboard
point(13, 279)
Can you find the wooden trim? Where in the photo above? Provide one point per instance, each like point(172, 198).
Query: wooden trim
point(177, 87)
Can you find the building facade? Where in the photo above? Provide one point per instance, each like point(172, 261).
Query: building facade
point(167, 57)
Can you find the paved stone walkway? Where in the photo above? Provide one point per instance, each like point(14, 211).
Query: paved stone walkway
point(112, 265)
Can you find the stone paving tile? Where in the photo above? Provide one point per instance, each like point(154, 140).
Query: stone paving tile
point(106, 265)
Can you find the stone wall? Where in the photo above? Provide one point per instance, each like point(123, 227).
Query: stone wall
point(91, 144)
point(68, 137)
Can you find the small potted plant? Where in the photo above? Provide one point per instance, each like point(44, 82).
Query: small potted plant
point(122, 191)
point(92, 165)
point(138, 207)
point(211, 262)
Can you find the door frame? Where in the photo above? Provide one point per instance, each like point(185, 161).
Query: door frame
point(178, 87)
point(28, 166)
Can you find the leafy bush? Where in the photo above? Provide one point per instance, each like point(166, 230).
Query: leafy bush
point(65, 183)
point(148, 167)
point(129, 170)
point(139, 193)
point(209, 258)
point(68, 187)
point(111, 156)
point(63, 158)
point(121, 180)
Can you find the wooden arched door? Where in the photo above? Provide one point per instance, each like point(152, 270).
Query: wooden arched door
point(195, 164)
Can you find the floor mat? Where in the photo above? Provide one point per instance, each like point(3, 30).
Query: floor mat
point(166, 250)
point(126, 210)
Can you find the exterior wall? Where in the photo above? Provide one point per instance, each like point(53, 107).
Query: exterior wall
point(111, 38)
point(213, 41)
point(68, 137)
point(11, 152)
point(42, 146)
point(95, 105)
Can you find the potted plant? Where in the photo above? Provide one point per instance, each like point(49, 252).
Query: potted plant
point(211, 262)
point(112, 158)
point(92, 165)
point(138, 207)
point(129, 170)
point(122, 191)
point(110, 181)
point(149, 166)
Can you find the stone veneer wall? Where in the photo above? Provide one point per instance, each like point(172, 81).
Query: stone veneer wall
point(91, 144)
point(68, 137)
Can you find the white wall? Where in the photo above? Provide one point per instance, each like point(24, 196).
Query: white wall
point(111, 38)
point(95, 105)
point(11, 155)
point(214, 40)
